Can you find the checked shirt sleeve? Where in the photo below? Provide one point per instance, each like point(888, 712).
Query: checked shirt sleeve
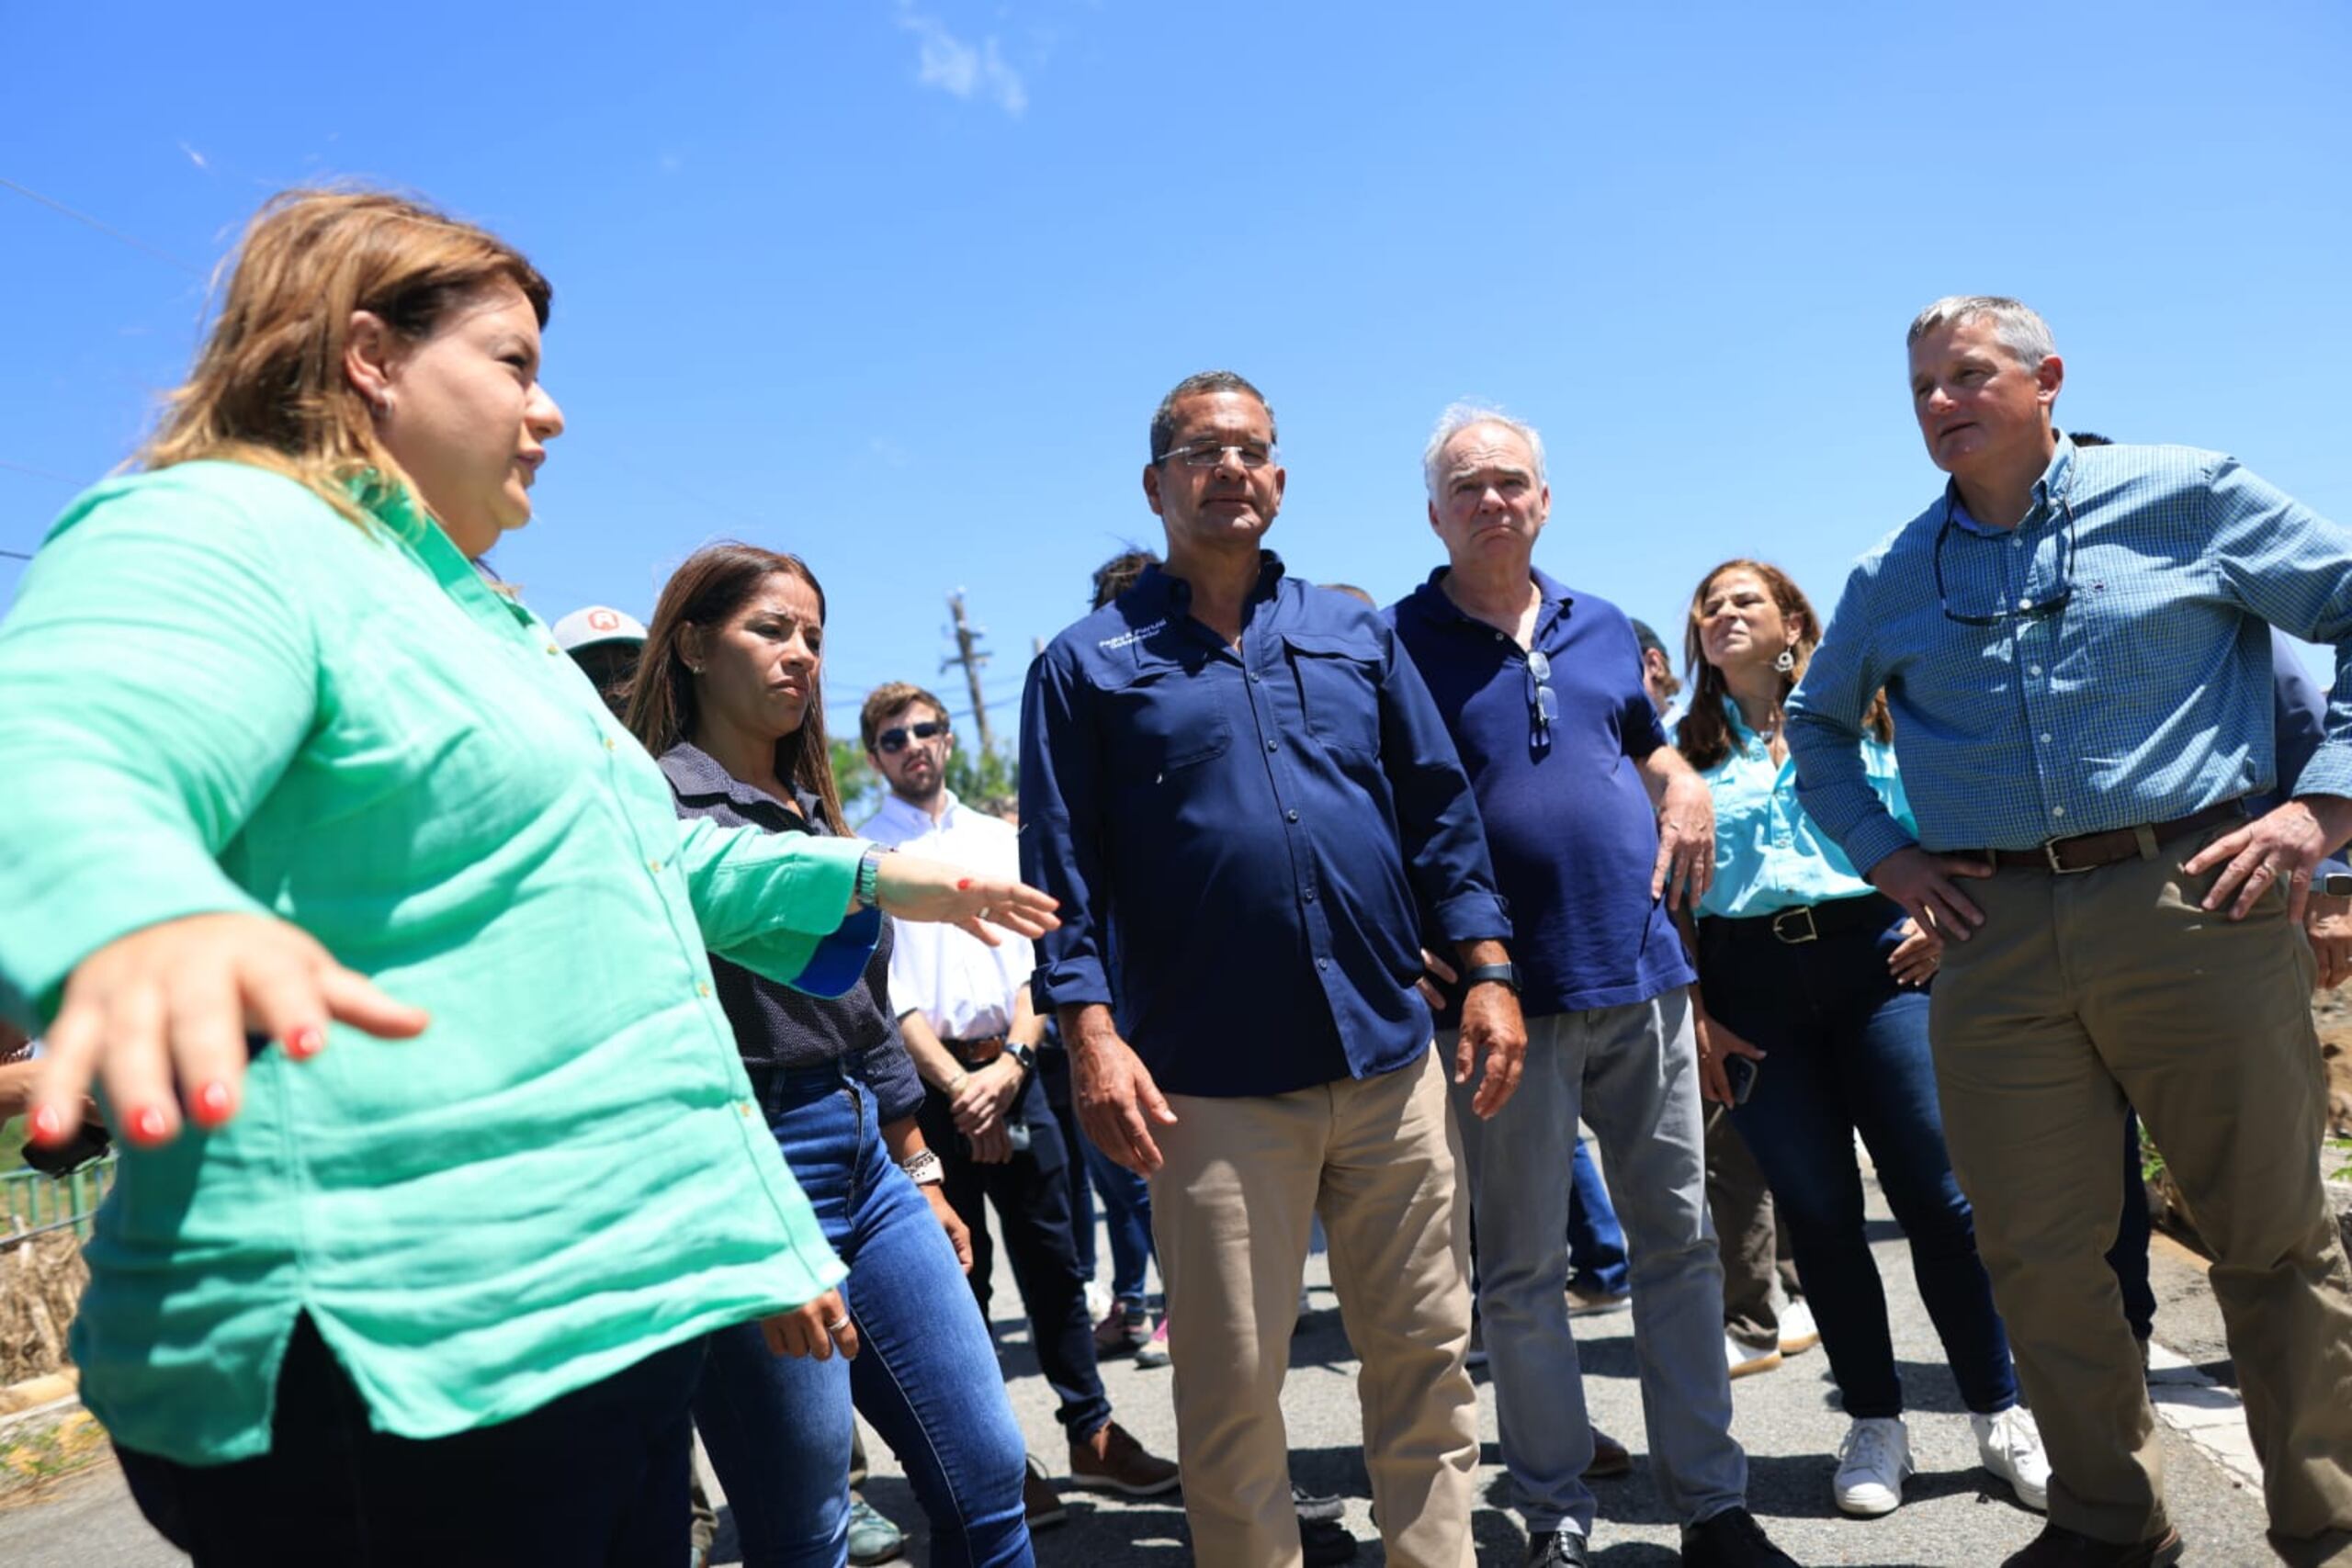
point(1824, 727)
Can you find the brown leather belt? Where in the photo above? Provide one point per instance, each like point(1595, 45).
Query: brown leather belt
point(2088, 851)
point(976, 1052)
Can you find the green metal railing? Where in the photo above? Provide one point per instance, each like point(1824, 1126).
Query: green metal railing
point(33, 1204)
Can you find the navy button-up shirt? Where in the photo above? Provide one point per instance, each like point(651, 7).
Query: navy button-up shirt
point(1249, 846)
point(1569, 819)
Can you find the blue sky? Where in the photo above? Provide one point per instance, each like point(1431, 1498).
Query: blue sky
point(896, 286)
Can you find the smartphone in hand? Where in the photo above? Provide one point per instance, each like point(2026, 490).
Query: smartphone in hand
point(1741, 1073)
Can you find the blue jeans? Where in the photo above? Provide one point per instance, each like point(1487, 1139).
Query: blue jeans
point(1848, 1051)
point(1126, 1213)
point(1595, 1241)
point(778, 1426)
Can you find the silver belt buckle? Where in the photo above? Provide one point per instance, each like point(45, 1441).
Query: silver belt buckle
point(2050, 853)
point(1810, 932)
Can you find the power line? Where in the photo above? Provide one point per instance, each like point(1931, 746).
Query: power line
point(37, 473)
point(109, 230)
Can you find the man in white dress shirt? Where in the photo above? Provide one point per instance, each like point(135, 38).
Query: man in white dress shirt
point(965, 1011)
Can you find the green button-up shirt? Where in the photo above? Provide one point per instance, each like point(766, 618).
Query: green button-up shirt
point(218, 694)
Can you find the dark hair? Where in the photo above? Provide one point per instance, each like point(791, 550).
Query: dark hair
point(1163, 418)
point(889, 698)
point(714, 583)
point(2089, 438)
point(1118, 574)
point(1704, 735)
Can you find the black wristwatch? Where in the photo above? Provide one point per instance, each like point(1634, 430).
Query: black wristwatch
point(1025, 1057)
point(1500, 974)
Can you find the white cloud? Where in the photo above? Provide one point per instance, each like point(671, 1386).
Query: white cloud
point(194, 157)
point(963, 69)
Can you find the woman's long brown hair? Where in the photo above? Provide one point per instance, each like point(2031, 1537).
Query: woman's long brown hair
point(715, 583)
point(269, 387)
point(1704, 735)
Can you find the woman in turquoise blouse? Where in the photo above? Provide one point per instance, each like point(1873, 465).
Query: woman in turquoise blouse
point(1816, 979)
point(388, 952)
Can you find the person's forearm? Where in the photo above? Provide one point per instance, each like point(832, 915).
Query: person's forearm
point(1481, 951)
point(1660, 769)
point(903, 1139)
point(1083, 1024)
point(934, 1062)
point(1028, 1028)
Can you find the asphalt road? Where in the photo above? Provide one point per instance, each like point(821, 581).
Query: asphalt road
point(1954, 1514)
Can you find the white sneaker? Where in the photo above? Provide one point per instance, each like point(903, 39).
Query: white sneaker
point(2010, 1446)
point(1798, 1331)
point(1745, 1359)
point(1872, 1462)
point(1098, 1301)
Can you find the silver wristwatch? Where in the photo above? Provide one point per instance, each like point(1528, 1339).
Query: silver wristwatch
point(924, 1168)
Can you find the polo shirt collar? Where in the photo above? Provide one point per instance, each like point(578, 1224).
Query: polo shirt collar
point(694, 771)
point(1156, 590)
point(1431, 600)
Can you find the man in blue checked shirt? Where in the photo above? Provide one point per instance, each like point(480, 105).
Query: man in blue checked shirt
point(2072, 644)
point(1240, 789)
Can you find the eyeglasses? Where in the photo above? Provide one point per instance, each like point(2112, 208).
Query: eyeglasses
point(1542, 702)
point(1209, 455)
point(892, 742)
point(2027, 609)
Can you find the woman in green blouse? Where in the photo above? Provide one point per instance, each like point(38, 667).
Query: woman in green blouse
point(286, 775)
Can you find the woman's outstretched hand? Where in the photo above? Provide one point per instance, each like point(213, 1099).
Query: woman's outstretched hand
point(160, 1017)
point(914, 888)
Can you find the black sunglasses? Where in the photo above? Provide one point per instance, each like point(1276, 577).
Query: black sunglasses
point(890, 742)
point(2027, 609)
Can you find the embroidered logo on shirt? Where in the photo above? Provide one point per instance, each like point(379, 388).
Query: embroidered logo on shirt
point(1126, 639)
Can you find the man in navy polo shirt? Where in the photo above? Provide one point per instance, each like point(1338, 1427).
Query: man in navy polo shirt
point(1235, 785)
point(1590, 817)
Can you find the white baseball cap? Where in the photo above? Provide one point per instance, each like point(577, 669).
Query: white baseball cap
point(595, 624)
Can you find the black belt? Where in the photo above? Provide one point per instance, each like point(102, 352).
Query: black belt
point(1807, 923)
point(2088, 851)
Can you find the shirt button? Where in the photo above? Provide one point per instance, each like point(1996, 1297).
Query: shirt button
point(1273, 745)
point(2025, 603)
point(1291, 816)
point(702, 987)
point(553, 648)
point(1499, 637)
point(2016, 544)
point(2033, 669)
point(745, 1106)
point(610, 744)
point(1322, 964)
point(2057, 811)
point(654, 866)
point(1310, 895)
point(2045, 737)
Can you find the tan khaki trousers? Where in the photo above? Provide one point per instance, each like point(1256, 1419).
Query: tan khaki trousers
point(2078, 993)
point(1229, 1212)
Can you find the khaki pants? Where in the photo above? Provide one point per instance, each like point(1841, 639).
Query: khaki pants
point(1230, 1210)
point(1760, 1262)
point(2078, 993)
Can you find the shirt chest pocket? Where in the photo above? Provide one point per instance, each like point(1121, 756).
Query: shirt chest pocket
point(1338, 683)
point(1165, 718)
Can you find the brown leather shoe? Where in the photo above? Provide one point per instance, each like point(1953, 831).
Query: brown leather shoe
point(1115, 1462)
point(2057, 1547)
point(1039, 1501)
point(1609, 1458)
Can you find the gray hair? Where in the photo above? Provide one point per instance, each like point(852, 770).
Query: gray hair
point(1459, 417)
point(1163, 418)
point(2018, 326)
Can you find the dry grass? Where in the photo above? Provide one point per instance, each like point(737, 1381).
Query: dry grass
point(41, 1281)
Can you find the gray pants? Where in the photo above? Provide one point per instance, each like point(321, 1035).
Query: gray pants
point(1631, 1074)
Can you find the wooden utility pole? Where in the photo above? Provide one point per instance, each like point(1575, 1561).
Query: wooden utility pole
point(969, 654)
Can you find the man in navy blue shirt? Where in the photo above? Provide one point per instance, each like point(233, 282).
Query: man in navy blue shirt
point(1590, 817)
point(1236, 786)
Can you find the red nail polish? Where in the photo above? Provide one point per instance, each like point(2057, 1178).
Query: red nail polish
point(49, 1127)
point(213, 1104)
point(307, 1041)
point(963, 884)
point(148, 1125)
